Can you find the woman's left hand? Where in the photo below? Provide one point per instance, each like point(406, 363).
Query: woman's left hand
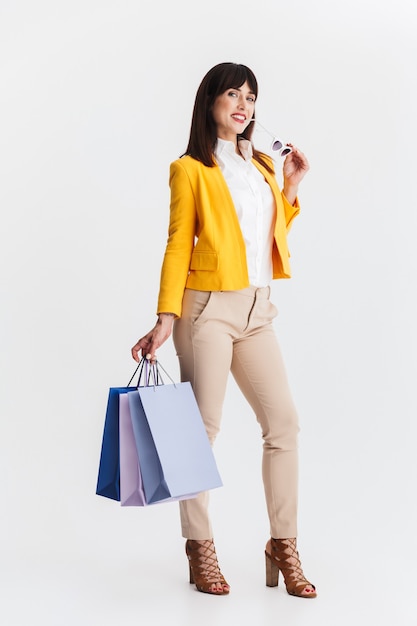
point(295, 166)
point(294, 169)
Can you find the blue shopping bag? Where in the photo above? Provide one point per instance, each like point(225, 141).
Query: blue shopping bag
point(108, 481)
point(175, 456)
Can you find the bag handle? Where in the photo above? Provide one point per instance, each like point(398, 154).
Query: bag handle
point(148, 370)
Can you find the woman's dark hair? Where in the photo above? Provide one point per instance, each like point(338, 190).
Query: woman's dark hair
point(203, 132)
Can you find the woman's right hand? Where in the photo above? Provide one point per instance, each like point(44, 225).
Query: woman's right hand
point(154, 338)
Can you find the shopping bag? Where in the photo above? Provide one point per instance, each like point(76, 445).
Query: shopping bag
point(131, 484)
point(131, 487)
point(108, 481)
point(175, 457)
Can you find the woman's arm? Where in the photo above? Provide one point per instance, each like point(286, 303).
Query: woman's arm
point(180, 245)
point(176, 263)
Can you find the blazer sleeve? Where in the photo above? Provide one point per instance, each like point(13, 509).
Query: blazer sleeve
point(180, 244)
point(291, 211)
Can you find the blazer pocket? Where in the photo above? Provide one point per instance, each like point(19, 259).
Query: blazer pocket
point(204, 260)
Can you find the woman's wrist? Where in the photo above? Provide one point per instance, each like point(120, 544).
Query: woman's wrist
point(290, 192)
point(166, 316)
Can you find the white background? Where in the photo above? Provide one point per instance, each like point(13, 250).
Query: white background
point(96, 101)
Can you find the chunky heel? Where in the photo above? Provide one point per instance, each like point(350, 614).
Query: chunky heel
point(191, 574)
point(272, 572)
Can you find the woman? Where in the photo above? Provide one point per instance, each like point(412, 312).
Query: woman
point(227, 241)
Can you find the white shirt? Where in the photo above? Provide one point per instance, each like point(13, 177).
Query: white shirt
point(254, 204)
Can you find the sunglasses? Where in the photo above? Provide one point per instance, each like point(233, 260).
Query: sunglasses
point(277, 144)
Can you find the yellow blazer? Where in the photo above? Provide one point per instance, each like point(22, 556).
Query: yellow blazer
point(205, 248)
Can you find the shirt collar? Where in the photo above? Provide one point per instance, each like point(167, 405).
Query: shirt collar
point(245, 148)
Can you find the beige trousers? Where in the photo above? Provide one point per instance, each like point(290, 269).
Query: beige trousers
point(223, 331)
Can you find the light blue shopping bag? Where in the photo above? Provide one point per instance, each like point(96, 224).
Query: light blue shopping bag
point(175, 456)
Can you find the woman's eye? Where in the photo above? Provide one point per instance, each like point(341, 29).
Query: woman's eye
point(235, 94)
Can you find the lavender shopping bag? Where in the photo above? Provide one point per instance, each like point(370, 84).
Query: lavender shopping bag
point(131, 487)
point(175, 457)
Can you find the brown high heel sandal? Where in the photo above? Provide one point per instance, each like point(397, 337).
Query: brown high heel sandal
point(281, 554)
point(204, 568)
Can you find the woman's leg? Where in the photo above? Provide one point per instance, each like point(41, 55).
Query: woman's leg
point(259, 371)
point(204, 349)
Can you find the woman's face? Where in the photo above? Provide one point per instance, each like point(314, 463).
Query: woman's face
point(232, 111)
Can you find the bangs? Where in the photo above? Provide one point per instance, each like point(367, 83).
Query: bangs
point(233, 76)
